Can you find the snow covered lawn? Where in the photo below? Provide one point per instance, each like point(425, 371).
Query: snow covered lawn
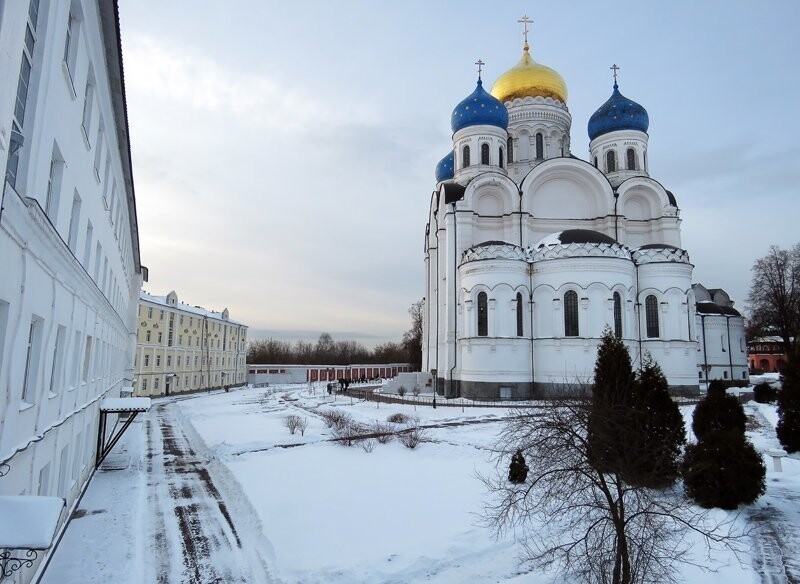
point(320, 512)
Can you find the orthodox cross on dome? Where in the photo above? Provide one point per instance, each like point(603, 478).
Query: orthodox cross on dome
point(480, 65)
point(614, 68)
point(525, 22)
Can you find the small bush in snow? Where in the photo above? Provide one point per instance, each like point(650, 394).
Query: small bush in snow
point(764, 393)
point(368, 445)
point(398, 419)
point(349, 434)
point(293, 423)
point(336, 419)
point(402, 391)
point(383, 432)
point(302, 425)
point(413, 436)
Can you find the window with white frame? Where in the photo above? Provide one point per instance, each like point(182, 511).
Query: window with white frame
point(57, 369)
point(571, 325)
point(483, 314)
point(617, 315)
point(32, 355)
point(53, 196)
point(651, 316)
point(88, 104)
point(23, 90)
point(87, 359)
point(71, 44)
point(74, 222)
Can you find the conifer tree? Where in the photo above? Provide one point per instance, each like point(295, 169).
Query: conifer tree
point(518, 470)
point(788, 428)
point(660, 433)
point(722, 469)
point(718, 412)
point(610, 425)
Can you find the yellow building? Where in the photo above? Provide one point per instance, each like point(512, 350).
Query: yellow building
point(182, 348)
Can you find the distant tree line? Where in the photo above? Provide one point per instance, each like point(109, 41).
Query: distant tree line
point(327, 351)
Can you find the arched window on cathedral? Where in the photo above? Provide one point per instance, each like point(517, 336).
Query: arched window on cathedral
point(651, 316)
point(510, 148)
point(483, 315)
point(611, 161)
point(500, 156)
point(465, 157)
point(520, 330)
point(595, 161)
point(631, 159)
point(617, 315)
point(484, 154)
point(539, 146)
point(571, 314)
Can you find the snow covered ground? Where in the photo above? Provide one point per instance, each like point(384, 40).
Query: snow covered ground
point(262, 505)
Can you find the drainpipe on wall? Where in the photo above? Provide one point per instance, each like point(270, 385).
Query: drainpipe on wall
point(705, 352)
point(455, 294)
point(637, 308)
point(530, 313)
point(730, 354)
point(520, 216)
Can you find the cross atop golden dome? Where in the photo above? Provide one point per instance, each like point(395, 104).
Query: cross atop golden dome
point(529, 78)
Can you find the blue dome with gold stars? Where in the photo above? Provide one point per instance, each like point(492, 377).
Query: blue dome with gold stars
point(445, 168)
point(479, 109)
point(618, 113)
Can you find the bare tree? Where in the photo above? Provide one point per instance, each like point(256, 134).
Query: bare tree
point(774, 297)
point(589, 524)
point(302, 425)
point(293, 422)
point(412, 338)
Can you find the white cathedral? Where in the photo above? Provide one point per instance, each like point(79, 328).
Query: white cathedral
point(532, 252)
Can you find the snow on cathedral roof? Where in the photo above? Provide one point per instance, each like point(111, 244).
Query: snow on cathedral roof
point(576, 236)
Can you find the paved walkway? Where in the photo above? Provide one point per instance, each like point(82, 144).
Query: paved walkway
point(202, 528)
point(161, 509)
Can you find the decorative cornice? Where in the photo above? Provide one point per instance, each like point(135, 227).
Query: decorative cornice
point(661, 255)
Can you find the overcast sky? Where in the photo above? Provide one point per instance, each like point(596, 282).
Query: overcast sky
point(284, 151)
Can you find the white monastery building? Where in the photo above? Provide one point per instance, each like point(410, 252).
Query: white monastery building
point(182, 348)
point(531, 252)
point(70, 272)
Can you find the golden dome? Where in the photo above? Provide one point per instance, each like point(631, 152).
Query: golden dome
point(529, 78)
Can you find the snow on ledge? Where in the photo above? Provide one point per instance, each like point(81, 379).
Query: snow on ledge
point(28, 522)
point(125, 404)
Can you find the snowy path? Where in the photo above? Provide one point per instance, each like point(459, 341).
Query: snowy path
point(775, 518)
point(202, 529)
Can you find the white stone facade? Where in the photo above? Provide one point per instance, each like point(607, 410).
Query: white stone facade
point(182, 348)
point(511, 249)
point(69, 249)
point(722, 343)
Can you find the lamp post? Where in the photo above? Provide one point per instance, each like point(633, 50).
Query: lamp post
point(435, 383)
